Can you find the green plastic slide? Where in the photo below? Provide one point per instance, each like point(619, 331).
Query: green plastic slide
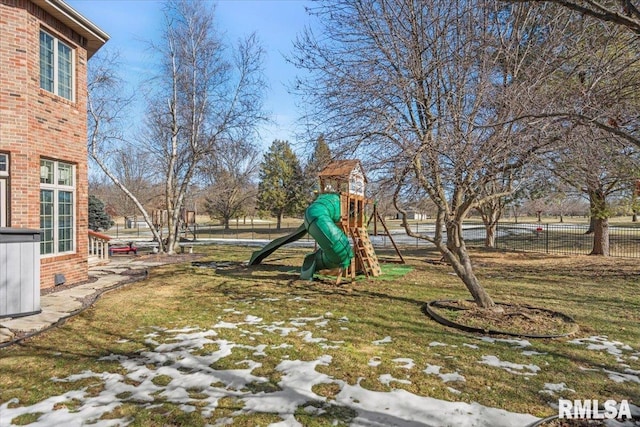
point(271, 247)
point(320, 222)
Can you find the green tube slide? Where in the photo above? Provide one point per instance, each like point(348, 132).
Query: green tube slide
point(320, 222)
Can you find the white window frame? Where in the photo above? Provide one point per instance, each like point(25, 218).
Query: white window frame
point(56, 67)
point(57, 188)
point(3, 202)
point(4, 198)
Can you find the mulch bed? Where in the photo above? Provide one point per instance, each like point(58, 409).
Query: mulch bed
point(510, 318)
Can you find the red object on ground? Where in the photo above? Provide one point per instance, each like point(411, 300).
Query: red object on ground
point(129, 248)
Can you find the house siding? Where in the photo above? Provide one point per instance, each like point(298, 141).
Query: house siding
point(36, 124)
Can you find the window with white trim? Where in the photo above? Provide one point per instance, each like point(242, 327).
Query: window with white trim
point(4, 198)
point(56, 66)
point(57, 205)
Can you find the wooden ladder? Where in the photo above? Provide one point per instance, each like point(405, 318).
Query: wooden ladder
point(364, 252)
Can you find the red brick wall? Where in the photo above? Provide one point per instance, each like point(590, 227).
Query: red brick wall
point(36, 124)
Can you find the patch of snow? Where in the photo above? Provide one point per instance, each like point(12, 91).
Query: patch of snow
point(387, 379)
point(308, 337)
point(276, 328)
point(437, 344)
point(514, 368)
point(401, 408)
point(176, 359)
point(384, 340)
point(260, 350)
point(599, 343)
point(553, 388)
point(405, 362)
point(182, 330)
point(435, 370)
point(473, 346)
point(432, 369)
point(514, 342)
point(453, 390)
point(283, 345)
point(252, 320)
point(620, 377)
point(225, 325)
point(374, 361)
point(322, 323)
point(226, 421)
point(532, 353)
point(306, 319)
point(328, 346)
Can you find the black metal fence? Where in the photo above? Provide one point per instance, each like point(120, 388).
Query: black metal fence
point(556, 238)
point(566, 239)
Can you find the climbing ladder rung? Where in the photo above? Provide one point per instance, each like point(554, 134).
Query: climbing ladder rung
point(364, 252)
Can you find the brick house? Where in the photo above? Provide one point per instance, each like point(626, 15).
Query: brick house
point(44, 48)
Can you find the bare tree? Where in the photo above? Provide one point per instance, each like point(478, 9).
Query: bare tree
point(107, 108)
point(201, 97)
point(491, 210)
point(414, 88)
point(230, 177)
point(612, 20)
point(599, 167)
point(620, 12)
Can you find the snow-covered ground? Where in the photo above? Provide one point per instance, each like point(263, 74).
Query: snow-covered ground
point(178, 356)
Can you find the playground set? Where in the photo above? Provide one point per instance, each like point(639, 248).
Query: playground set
point(337, 214)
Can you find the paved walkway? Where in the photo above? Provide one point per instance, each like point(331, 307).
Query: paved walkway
point(58, 306)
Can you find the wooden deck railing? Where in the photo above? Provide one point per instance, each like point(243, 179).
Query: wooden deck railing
point(98, 245)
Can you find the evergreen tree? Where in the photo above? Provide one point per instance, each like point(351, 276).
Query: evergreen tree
point(99, 219)
point(281, 190)
point(319, 159)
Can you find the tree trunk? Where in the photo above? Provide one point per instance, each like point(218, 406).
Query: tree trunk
point(634, 217)
point(592, 225)
point(601, 237)
point(490, 235)
point(490, 214)
point(279, 221)
point(226, 223)
point(600, 219)
point(457, 255)
point(592, 218)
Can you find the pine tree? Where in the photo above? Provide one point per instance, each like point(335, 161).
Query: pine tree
point(281, 190)
point(99, 219)
point(319, 159)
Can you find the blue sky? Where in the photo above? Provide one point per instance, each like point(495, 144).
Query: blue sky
point(131, 23)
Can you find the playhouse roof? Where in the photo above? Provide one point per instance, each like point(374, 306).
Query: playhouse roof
point(341, 169)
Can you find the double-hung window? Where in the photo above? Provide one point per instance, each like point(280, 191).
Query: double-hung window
point(56, 66)
point(57, 207)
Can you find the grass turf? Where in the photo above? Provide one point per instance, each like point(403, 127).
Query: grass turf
point(601, 294)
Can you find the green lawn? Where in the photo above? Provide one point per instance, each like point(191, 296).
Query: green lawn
point(247, 329)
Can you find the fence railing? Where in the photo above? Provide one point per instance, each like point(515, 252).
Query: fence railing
point(552, 238)
point(565, 239)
